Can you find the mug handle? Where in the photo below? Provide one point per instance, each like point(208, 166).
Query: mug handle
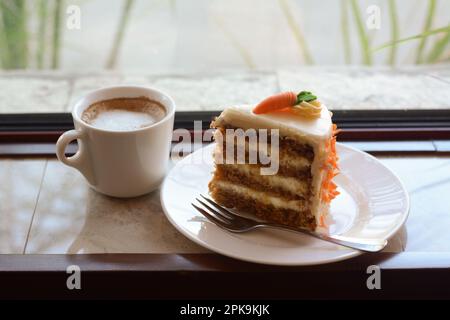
point(79, 160)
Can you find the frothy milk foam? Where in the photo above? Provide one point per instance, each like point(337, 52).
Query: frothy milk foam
point(123, 114)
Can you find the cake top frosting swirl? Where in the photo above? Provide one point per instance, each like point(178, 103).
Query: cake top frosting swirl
point(289, 123)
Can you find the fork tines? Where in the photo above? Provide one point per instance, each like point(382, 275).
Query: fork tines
point(219, 215)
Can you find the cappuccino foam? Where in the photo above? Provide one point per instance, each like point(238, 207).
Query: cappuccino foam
point(123, 114)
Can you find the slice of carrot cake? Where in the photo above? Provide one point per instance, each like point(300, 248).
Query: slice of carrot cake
point(276, 160)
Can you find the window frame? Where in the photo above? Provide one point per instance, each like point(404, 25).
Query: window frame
point(379, 132)
point(355, 124)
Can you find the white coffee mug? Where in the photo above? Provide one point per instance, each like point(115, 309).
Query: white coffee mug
point(120, 163)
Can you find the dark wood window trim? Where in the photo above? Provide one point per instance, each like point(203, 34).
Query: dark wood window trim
point(35, 134)
point(406, 275)
point(346, 119)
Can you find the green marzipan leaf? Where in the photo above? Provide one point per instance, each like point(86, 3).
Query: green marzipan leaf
point(305, 96)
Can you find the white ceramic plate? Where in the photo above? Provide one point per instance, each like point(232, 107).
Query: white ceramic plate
point(373, 204)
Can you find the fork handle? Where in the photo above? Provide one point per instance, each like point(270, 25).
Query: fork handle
point(367, 245)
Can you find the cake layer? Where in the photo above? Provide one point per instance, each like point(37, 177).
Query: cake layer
point(297, 160)
point(287, 166)
point(248, 175)
point(261, 196)
point(292, 213)
point(291, 147)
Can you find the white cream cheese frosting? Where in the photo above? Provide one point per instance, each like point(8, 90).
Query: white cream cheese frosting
point(288, 123)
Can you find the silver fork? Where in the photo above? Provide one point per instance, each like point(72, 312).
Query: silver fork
point(232, 222)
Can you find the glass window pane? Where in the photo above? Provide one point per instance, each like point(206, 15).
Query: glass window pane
point(354, 54)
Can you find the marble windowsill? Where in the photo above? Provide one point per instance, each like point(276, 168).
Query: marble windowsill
point(354, 87)
point(72, 218)
point(46, 208)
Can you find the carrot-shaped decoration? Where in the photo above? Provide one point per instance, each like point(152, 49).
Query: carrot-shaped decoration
point(304, 103)
point(276, 102)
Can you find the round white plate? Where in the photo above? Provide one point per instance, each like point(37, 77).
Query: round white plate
point(373, 204)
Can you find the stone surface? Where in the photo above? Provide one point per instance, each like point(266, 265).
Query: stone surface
point(191, 92)
point(69, 217)
point(217, 92)
point(83, 84)
point(19, 189)
point(24, 94)
point(427, 181)
point(72, 218)
point(364, 88)
point(339, 87)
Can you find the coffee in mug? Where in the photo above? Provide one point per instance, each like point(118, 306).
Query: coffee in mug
point(124, 114)
point(124, 135)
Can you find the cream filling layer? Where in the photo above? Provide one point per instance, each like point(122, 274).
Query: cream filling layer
point(287, 160)
point(289, 184)
point(299, 164)
point(262, 197)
